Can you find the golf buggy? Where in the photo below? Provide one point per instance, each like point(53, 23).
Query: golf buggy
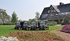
point(25, 25)
point(33, 25)
point(42, 25)
point(17, 26)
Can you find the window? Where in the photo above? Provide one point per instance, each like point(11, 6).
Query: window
point(51, 14)
point(48, 11)
point(57, 14)
point(62, 13)
point(54, 11)
point(44, 15)
point(51, 10)
point(66, 13)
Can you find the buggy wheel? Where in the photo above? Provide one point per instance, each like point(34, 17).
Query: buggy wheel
point(26, 28)
point(22, 28)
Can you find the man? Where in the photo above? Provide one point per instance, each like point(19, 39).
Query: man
point(21, 23)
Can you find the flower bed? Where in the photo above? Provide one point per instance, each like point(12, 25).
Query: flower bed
point(66, 28)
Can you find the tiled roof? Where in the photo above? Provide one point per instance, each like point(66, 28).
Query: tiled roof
point(64, 8)
point(55, 7)
point(45, 10)
point(58, 8)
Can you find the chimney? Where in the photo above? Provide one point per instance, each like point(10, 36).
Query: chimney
point(61, 3)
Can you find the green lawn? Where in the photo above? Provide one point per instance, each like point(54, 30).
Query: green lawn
point(54, 28)
point(6, 29)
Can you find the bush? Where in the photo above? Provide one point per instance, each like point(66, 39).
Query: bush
point(66, 28)
point(62, 22)
point(51, 23)
point(9, 23)
point(66, 20)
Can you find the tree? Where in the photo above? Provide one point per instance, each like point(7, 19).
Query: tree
point(4, 16)
point(37, 16)
point(14, 18)
point(66, 20)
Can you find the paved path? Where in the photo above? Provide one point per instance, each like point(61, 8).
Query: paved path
point(65, 36)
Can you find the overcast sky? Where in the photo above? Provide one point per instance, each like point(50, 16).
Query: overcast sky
point(25, 9)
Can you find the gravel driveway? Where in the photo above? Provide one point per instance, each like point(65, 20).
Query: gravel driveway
point(65, 36)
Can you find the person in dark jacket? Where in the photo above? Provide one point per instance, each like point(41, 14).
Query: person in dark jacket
point(38, 24)
point(21, 23)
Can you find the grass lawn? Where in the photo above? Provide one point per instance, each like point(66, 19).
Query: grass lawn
point(54, 28)
point(6, 29)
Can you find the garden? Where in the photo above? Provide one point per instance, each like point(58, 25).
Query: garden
point(6, 29)
point(27, 35)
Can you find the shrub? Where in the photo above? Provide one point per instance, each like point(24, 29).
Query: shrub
point(66, 20)
point(66, 28)
point(62, 22)
point(51, 23)
point(9, 23)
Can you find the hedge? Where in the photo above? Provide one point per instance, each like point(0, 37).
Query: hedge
point(51, 23)
point(7, 23)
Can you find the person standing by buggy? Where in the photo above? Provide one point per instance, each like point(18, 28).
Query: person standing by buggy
point(17, 26)
point(25, 25)
point(21, 23)
point(38, 24)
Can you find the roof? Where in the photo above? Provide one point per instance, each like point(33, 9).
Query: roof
point(55, 7)
point(45, 10)
point(64, 8)
point(58, 8)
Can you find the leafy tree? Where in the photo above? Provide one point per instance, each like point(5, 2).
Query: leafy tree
point(4, 16)
point(66, 20)
point(14, 18)
point(37, 15)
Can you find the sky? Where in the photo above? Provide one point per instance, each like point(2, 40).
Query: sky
point(26, 9)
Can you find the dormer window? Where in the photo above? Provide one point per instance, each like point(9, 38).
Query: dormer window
point(51, 10)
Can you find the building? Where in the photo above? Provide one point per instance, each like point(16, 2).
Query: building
point(55, 12)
